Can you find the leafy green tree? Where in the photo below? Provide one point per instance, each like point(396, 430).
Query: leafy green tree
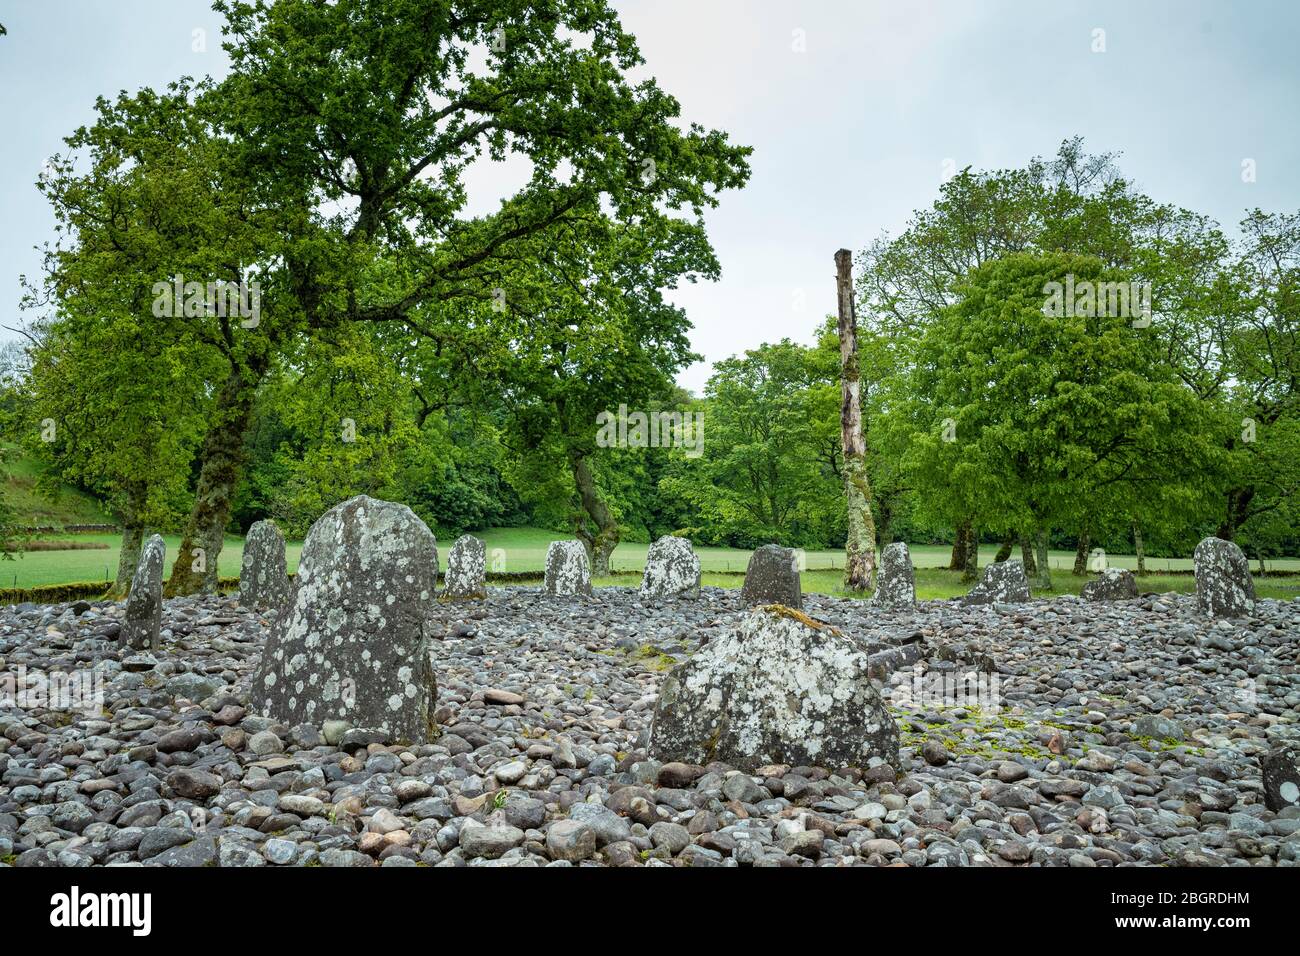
point(332, 161)
point(117, 414)
point(590, 333)
point(154, 214)
point(1259, 363)
point(769, 469)
point(1072, 203)
point(362, 116)
point(1027, 419)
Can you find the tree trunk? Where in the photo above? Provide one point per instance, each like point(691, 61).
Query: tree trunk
point(860, 546)
point(1044, 566)
point(970, 572)
point(1139, 549)
point(1004, 552)
point(222, 457)
point(960, 544)
point(884, 527)
point(601, 544)
point(1027, 555)
point(1081, 553)
point(1236, 511)
point(132, 543)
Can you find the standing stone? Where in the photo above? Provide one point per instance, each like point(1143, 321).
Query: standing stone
point(143, 618)
point(779, 688)
point(1003, 583)
point(1281, 778)
point(466, 569)
point(672, 569)
point(567, 569)
point(1115, 584)
point(772, 577)
point(354, 646)
point(1224, 587)
point(895, 581)
point(263, 575)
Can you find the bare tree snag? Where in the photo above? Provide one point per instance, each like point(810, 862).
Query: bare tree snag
point(860, 546)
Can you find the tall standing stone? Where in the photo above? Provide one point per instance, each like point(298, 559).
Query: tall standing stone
point(466, 569)
point(1003, 583)
point(568, 571)
point(779, 688)
point(1224, 587)
point(672, 569)
point(263, 575)
point(354, 646)
point(143, 618)
point(896, 581)
point(772, 577)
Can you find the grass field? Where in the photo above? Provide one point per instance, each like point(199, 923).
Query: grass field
point(524, 550)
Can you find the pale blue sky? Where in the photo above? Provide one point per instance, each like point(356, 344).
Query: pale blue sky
point(851, 126)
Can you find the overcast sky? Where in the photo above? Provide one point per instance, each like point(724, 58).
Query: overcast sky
point(855, 108)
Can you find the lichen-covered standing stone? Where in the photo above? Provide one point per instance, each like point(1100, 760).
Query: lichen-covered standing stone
point(672, 569)
point(466, 569)
point(263, 575)
point(779, 688)
point(568, 571)
point(354, 646)
point(1003, 583)
point(772, 577)
point(895, 579)
point(1281, 778)
point(1224, 587)
point(143, 618)
point(1114, 584)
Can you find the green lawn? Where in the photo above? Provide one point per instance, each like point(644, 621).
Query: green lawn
point(524, 550)
point(35, 568)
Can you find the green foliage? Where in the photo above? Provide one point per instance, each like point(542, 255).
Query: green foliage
point(1050, 419)
point(330, 164)
point(770, 465)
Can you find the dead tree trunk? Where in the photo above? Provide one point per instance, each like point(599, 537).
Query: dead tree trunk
point(860, 545)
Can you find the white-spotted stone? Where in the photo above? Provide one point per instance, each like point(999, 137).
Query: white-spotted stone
point(143, 620)
point(672, 569)
point(1281, 768)
point(1224, 586)
point(778, 688)
point(466, 569)
point(568, 570)
point(772, 577)
point(895, 579)
point(354, 646)
point(1003, 583)
point(263, 574)
point(1114, 584)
